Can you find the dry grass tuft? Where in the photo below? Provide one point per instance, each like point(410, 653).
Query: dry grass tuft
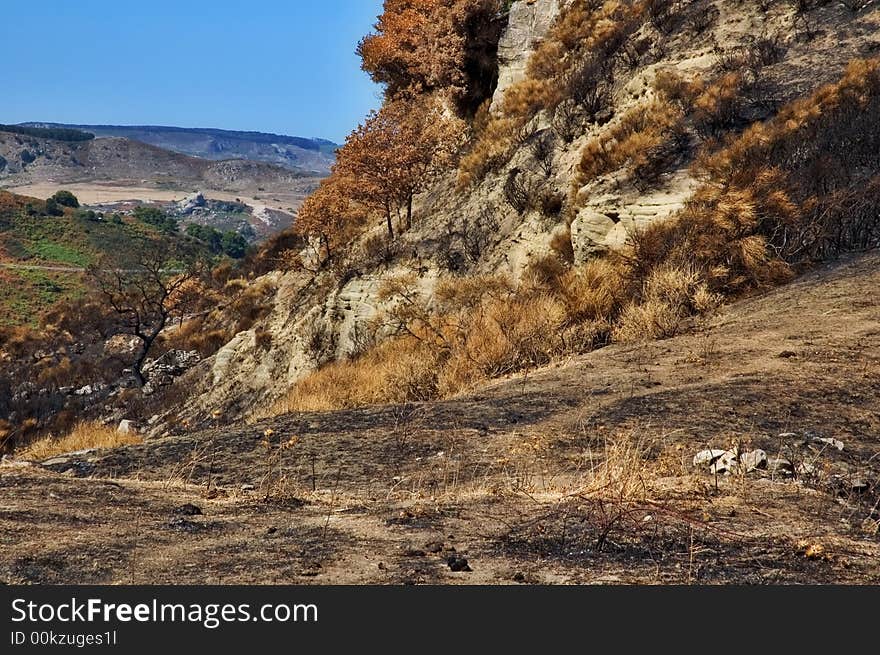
point(85, 436)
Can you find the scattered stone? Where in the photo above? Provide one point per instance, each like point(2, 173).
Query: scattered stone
point(271, 531)
point(806, 469)
point(174, 363)
point(434, 547)
point(787, 354)
point(707, 457)
point(754, 460)
point(68, 466)
point(834, 443)
point(519, 577)
point(780, 465)
point(248, 487)
point(181, 524)
point(458, 564)
point(126, 427)
point(731, 461)
point(188, 510)
point(727, 463)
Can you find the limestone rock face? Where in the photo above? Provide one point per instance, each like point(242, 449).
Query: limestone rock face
point(529, 22)
point(588, 233)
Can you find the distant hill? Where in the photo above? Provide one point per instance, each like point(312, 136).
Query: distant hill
point(291, 152)
point(28, 159)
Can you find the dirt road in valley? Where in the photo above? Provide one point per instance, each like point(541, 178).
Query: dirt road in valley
point(510, 477)
point(109, 193)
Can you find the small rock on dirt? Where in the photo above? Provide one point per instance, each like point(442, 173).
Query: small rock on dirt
point(834, 443)
point(754, 460)
point(780, 465)
point(705, 457)
point(458, 564)
point(188, 510)
point(181, 524)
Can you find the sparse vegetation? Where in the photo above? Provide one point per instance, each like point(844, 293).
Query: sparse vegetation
point(55, 133)
point(84, 436)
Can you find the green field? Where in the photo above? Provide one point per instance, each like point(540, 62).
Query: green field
point(31, 238)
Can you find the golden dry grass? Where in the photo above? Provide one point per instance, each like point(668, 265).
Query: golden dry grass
point(85, 436)
point(719, 246)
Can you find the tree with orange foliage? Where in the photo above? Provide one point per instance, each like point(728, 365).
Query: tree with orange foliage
point(435, 44)
point(326, 214)
point(394, 154)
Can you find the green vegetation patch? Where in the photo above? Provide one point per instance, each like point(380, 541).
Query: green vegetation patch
point(25, 294)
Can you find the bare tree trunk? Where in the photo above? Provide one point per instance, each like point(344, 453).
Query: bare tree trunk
point(390, 226)
point(409, 211)
point(139, 364)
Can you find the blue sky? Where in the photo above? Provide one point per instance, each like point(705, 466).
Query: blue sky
point(284, 66)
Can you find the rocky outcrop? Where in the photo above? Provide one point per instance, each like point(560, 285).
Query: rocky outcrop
point(609, 217)
point(529, 22)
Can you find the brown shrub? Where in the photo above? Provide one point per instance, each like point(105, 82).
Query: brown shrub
point(669, 296)
point(644, 140)
point(561, 244)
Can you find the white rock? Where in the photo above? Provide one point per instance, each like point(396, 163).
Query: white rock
point(754, 460)
point(706, 457)
point(126, 427)
point(528, 24)
point(834, 443)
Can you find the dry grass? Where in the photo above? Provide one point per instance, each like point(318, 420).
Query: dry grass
point(799, 188)
point(637, 141)
point(669, 297)
point(85, 436)
point(469, 330)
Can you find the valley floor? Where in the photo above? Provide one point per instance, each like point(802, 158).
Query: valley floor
point(578, 473)
point(98, 193)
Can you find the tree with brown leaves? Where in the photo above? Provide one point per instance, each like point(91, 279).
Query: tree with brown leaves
point(326, 215)
point(431, 45)
point(395, 153)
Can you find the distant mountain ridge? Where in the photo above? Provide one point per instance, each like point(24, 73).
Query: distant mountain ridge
point(295, 153)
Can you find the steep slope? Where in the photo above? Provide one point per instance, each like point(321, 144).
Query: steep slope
point(526, 202)
point(295, 153)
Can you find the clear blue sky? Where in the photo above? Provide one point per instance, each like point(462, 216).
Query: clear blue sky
point(284, 66)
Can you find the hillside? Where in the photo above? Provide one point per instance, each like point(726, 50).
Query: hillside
point(510, 477)
point(43, 255)
point(590, 297)
point(115, 174)
point(543, 189)
point(28, 160)
point(295, 153)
